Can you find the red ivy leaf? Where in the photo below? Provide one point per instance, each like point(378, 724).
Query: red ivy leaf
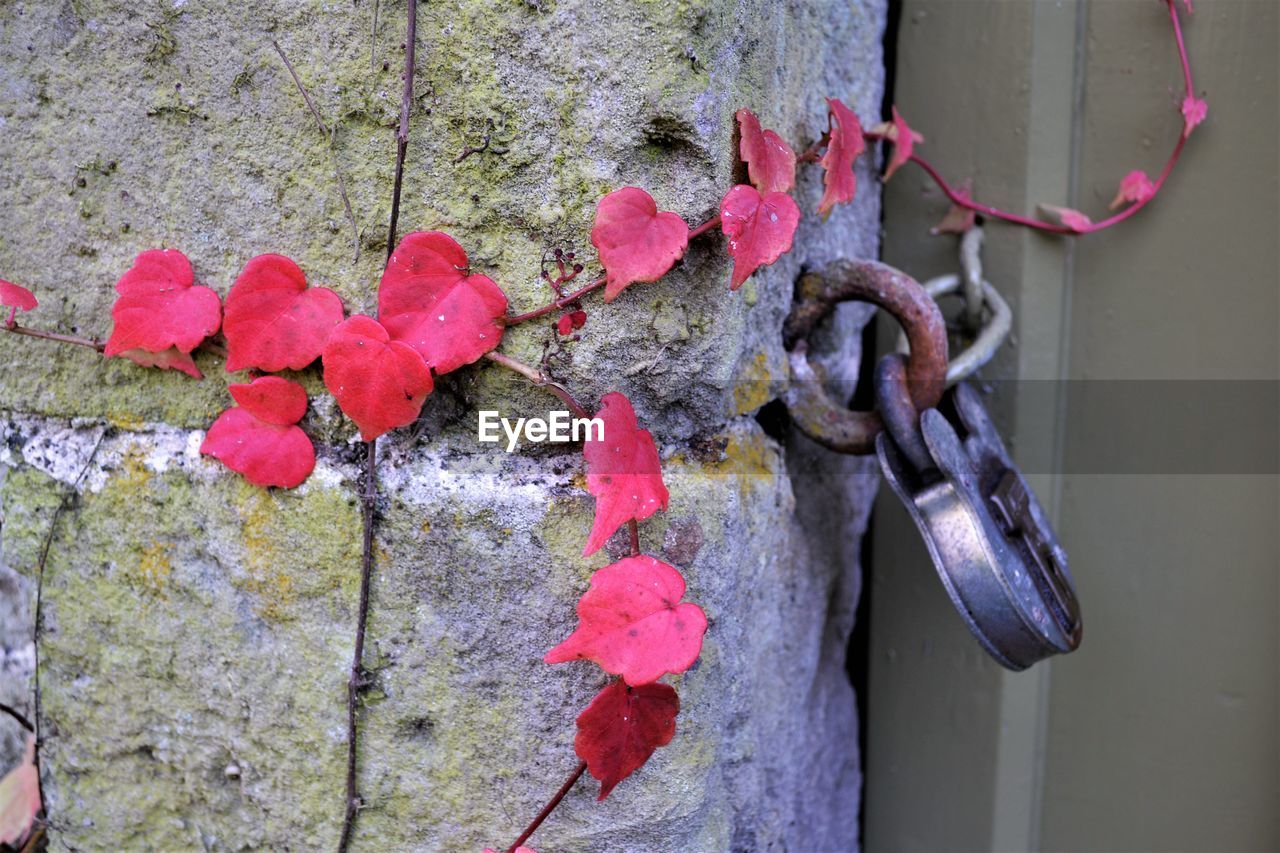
point(429, 301)
point(759, 228)
point(903, 138)
point(16, 298)
point(635, 242)
point(273, 320)
point(378, 383)
point(1078, 222)
point(20, 798)
point(564, 326)
point(622, 727)
point(258, 439)
point(158, 307)
point(1135, 188)
point(844, 147)
point(771, 164)
point(1194, 111)
point(623, 471)
point(272, 399)
point(633, 624)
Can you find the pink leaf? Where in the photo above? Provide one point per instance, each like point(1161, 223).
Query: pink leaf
point(1194, 111)
point(622, 727)
point(635, 242)
point(378, 383)
point(1135, 188)
point(903, 138)
point(429, 300)
point(759, 228)
point(623, 471)
point(20, 798)
point(1073, 219)
point(844, 147)
point(273, 320)
point(631, 622)
point(771, 164)
point(158, 307)
point(16, 298)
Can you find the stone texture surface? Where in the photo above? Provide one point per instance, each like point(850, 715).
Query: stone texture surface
point(199, 629)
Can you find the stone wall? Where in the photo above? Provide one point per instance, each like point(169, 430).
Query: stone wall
point(199, 629)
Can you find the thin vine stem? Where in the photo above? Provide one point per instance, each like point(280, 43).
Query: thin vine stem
point(961, 199)
point(550, 806)
point(357, 680)
point(540, 379)
point(569, 298)
point(328, 135)
point(18, 716)
point(37, 620)
point(91, 343)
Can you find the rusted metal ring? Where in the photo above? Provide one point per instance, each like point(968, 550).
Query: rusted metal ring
point(901, 420)
point(817, 294)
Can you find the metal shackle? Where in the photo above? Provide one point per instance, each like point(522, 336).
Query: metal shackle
point(817, 294)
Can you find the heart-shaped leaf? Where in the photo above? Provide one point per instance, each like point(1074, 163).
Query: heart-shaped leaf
point(759, 228)
point(158, 307)
point(844, 147)
point(16, 298)
point(622, 727)
point(259, 439)
point(635, 242)
point(378, 383)
point(266, 454)
point(429, 301)
point(623, 471)
point(272, 399)
point(771, 164)
point(631, 622)
point(273, 320)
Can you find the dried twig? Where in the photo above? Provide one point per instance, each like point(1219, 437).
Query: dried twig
point(37, 616)
point(328, 138)
point(357, 681)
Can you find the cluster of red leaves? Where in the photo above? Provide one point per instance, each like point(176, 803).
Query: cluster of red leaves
point(638, 243)
point(632, 622)
point(434, 316)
